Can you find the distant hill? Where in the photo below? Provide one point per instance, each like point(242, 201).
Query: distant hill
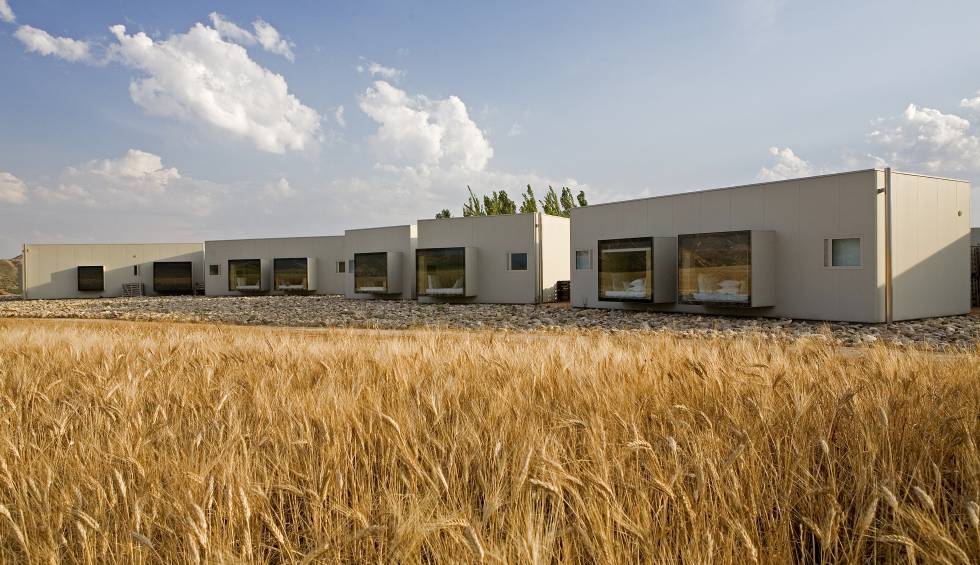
point(10, 275)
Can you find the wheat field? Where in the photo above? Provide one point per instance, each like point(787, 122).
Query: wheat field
point(162, 443)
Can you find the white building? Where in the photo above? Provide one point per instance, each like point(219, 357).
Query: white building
point(381, 262)
point(863, 246)
point(101, 270)
point(304, 265)
point(491, 259)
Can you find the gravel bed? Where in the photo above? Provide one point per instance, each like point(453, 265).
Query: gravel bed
point(334, 311)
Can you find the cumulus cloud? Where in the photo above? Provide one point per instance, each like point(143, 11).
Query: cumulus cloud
point(786, 165)
point(280, 189)
point(39, 41)
point(377, 69)
point(198, 76)
point(145, 168)
point(414, 131)
point(339, 115)
point(138, 177)
point(928, 138)
point(265, 35)
point(6, 14)
point(12, 189)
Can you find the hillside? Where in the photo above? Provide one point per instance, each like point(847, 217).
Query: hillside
point(10, 275)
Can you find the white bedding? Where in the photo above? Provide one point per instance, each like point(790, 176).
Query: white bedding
point(632, 293)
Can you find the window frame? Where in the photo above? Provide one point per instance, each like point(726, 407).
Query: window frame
point(638, 242)
point(588, 256)
point(230, 270)
point(78, 278)
point(510, 261)
point(422, 291)
point(276, 261)
point(712, 303)
point(387, 285)
point(340, 267)
point(214, 270)
point(828, 253)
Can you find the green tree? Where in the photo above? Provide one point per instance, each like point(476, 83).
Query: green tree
point(581, 198)
point(473, 206)
point(444, 214)
point(504, 204)
point(550, 205)
point(529, 204)
point(567, 201)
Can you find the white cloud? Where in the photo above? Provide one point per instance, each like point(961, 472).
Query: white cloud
point(231, 31)
point(377, 69)
point(40, 41)
point(12, 189)
point(928, 138)
point(280, 189)
point(6, 14)
point(265, 35)
point(515, 129)
point(268, 37)
point(787, 165)
point(136, 178)
point(339, 115)
point(145, 168)
point(197, 76)
point(419, 132)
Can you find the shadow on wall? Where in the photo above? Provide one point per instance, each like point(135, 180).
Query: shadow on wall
point(939, 285)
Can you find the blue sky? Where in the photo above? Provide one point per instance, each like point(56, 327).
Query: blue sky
point(185, 125)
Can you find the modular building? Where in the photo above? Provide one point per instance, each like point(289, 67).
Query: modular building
point(381, 262)
point(516, 259)
point(863, 246)
point(282, 265)
point(113, 269)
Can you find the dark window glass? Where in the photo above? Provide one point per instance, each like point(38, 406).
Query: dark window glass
point(290, 274)
point(136, 270)
point(715, 268)
point(441, 272)
point(518, 261)
point(214, 270)
point(341, 266)
point(626, 269)
point(91, 278)
point(371, 272)
point(244, 274)
point(173, 277)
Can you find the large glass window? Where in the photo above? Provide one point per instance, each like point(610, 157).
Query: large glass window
point(843, 252)
point(91, 278)
point(626, 269)
point(715, 268)
point(173, 277)
point(371, 272)
point(583, 260)
point(517, 261)
point(244, 274)
point(441, 272)
point(290, 274)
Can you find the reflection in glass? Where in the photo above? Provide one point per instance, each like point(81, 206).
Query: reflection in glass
point(173, 277)
point(845, 252)
point(91, 278)
point(715, 268)
point(371, 272)
point(441, 272)
point(583, 260)
point(290, 274)
point(626, 269)
point(244, 274)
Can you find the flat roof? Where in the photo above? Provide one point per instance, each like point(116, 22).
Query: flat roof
point(269, 238)
point(703, 190)
point(132, 243)
point(381, 228)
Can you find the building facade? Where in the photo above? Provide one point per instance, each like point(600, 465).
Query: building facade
point(105, 270)
point(380, 262)
point(509, 259)
point(282, 265)
point(863, 246)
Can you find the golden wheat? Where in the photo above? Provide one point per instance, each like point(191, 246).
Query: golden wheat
point(149, 443)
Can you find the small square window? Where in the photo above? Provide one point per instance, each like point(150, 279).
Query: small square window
point(214, 270)
point(136, 270)
point(341, 266)
point(842, 252)
point(583, 260)
point(517, 262)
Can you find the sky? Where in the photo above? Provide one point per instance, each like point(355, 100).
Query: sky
point(186, 121)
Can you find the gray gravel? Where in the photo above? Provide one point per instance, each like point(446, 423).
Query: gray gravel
point(334, 311)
